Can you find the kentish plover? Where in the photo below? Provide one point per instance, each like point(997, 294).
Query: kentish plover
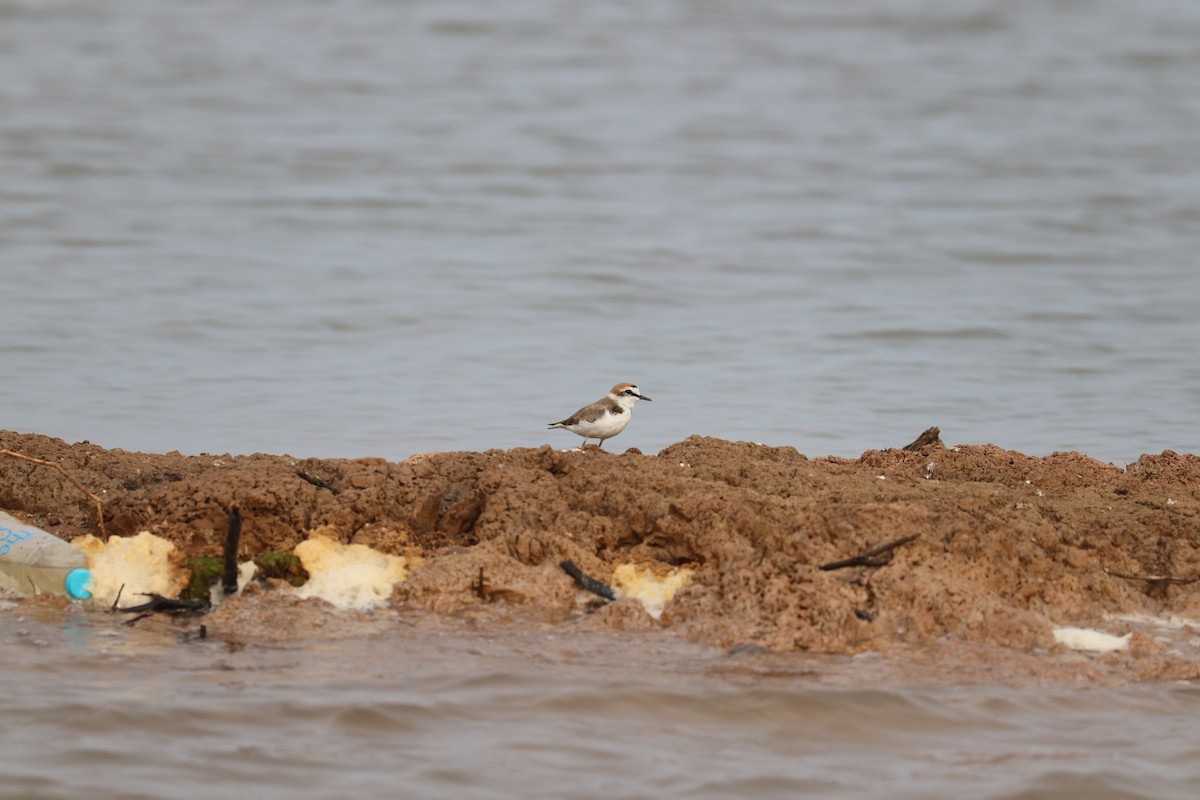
point(606, 417)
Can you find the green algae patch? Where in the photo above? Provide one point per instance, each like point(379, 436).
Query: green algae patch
point(206, 572)
point(281, 565)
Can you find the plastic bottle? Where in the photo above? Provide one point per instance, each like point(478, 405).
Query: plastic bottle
point(33, 561)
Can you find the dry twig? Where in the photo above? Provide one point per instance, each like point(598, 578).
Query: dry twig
point(1153, 579)
point(488, 593)
point(71, 478)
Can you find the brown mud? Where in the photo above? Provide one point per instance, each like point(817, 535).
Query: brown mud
point(1008, 546)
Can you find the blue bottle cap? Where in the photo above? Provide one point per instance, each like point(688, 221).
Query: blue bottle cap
point(79, 584)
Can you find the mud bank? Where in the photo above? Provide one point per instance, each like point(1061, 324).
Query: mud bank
point(1008, 548)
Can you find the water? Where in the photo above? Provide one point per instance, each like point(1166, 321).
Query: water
point(363, 228)
point(113, 711)
point(352, 228)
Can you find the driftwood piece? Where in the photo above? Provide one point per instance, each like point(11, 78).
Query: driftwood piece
point(72, 479)
point(930, 436)
point(876, 557)
point(598, 588)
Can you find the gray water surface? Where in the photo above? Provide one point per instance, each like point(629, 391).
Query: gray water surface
point(368, 228)
point(112, 711)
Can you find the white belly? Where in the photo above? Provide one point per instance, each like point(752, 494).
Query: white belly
point(607, 425)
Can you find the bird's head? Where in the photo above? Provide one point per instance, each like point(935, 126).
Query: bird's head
point(627, 394)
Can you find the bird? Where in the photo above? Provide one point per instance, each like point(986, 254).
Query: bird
point(606, 417)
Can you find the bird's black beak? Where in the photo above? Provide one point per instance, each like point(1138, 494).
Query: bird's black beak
point(643, 397)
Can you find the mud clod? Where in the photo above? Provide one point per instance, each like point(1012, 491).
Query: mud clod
point(1011, 545)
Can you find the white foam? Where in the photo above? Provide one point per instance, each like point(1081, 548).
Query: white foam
point(1090, 640)
point(142, 564)
point(649, 588)
point(349, 575)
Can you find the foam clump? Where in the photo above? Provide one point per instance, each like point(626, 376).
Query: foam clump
point(650, 588)
point(1090, 640)
point(348, 575)
point(143, 564)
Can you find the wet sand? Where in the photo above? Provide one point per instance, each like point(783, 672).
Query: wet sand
point(1008, 548)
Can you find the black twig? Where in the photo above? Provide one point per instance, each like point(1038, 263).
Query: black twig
point(157, 603)
point(315, 481)
point(229, 576)
point(166, 605)
point(876, 557)
point(592, 585)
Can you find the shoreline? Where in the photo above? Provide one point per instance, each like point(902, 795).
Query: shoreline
point(1007, 547)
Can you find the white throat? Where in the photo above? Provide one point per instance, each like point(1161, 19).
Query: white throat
point(625, 401)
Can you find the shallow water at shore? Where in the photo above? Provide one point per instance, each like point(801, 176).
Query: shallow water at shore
point(432, 709)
